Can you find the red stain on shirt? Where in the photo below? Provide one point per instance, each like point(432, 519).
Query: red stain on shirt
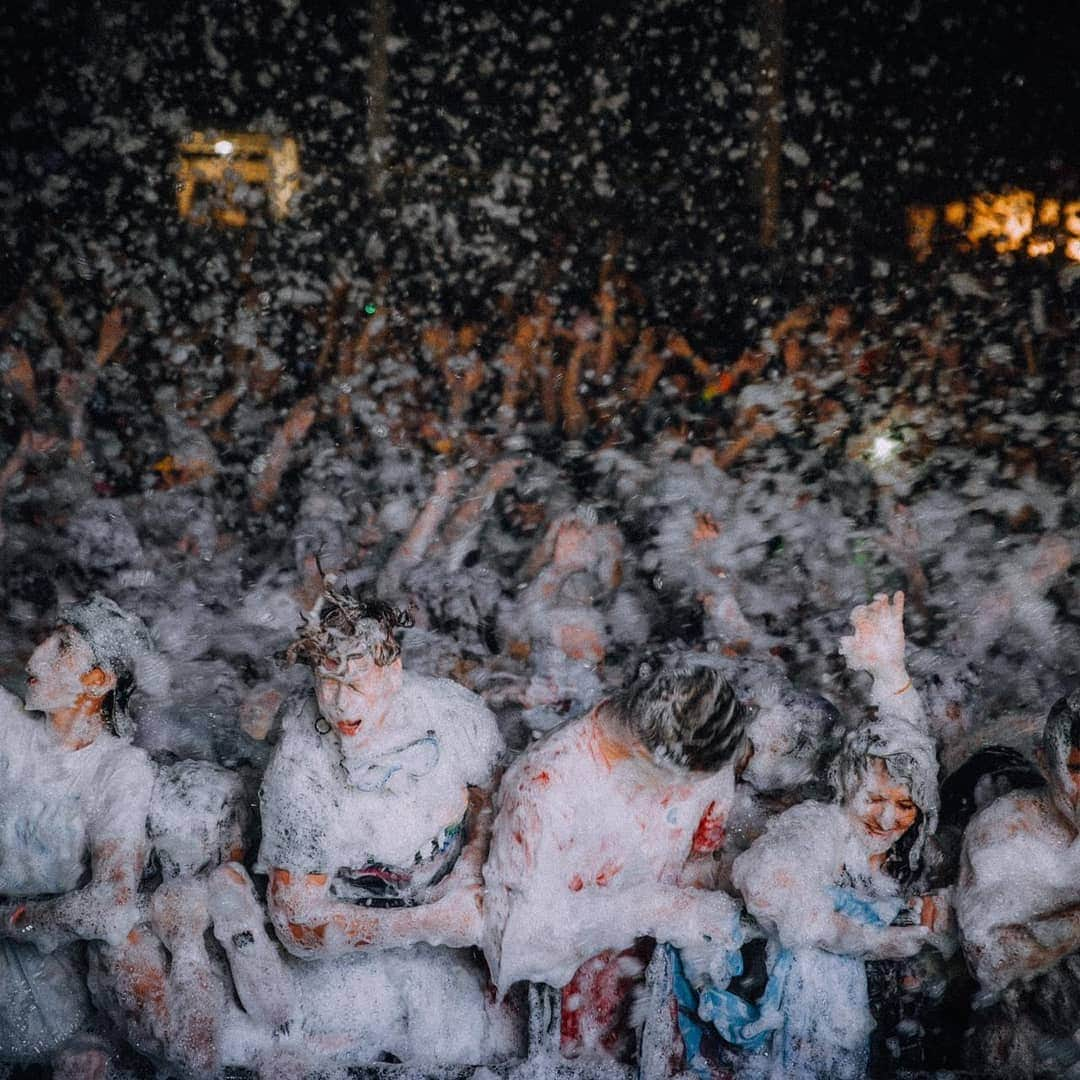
point(709, 835)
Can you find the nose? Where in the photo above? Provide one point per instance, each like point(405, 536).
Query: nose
point(888, 817)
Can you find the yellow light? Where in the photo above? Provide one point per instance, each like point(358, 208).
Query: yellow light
point(1036, 248)
point(956, 214)
point(1049, 211)
point(1072, 248)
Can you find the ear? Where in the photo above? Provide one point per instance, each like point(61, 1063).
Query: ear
point(98, 681)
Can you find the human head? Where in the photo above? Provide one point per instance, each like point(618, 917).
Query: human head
point(349, 643)
point(791, 733)
point(1061, 751)
point(686, 715)
point(881, 760)
point(96, 646)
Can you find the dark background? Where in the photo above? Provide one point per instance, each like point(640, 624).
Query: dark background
point(524, 136)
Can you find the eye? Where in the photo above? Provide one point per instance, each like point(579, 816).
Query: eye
point(905, 806)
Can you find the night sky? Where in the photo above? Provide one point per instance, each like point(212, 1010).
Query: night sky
point(581, 118)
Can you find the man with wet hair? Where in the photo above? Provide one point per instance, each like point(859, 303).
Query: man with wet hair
point(373, 806)
point(1018, 907)
point(598, 838)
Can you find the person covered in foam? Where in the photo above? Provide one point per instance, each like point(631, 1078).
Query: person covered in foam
point(375, 822)
point(832, 883)
point(600, 834)
point(74, 796)
point(1018, 910)
point(373, 806)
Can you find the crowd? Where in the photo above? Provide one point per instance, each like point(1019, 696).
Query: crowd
point(575, 600)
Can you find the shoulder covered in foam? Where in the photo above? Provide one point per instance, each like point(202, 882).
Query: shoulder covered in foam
point(464, 724)
point(785, 874)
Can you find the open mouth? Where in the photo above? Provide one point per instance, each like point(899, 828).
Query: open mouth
point(349, 727)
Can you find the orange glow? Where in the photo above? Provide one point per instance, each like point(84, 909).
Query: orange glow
point(1007, 220)
point(956, 214)
point(223, 160)
point(1049, 212)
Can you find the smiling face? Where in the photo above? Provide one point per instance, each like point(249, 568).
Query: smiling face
point(354, 692)
point(882, 807)
point(58, 671)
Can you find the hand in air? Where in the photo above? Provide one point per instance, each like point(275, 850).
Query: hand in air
point(878, 641)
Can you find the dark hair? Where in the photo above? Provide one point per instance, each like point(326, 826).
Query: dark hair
point(686, 715)
point(340, 616)
point(1062, 731)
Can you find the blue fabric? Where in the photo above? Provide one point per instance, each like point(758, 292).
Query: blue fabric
point(739, 1021)
point(751, 1025)
point(861, 910)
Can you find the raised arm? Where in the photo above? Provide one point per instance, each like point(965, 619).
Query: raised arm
point(877, 647)
point(422, 533)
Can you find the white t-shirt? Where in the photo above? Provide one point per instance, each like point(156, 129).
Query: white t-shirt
point(56, 803)
point(394, 807)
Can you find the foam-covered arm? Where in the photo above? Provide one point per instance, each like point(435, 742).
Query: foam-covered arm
point(310, 922)
point(107, 907)
point(877, 647)
point(422, 533)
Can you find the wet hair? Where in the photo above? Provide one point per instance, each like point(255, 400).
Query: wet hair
point(117, 640)
point(343, 624)
point(910, 758)
point(1062, 731)
point(687, 715)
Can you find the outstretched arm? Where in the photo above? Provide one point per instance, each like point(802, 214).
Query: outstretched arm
point(422, 534)
point(877, 647)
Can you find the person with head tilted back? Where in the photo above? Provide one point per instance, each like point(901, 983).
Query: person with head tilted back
point(74, 796)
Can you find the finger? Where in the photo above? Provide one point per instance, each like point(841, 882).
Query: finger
point(898, 603)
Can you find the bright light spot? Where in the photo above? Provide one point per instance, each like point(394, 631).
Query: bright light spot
point(883, 449)
point(369, 308)
point(223, 147)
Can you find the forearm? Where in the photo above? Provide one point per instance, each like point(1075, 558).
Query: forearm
point(310, 922)
point(1018, 951)
point(892, 693)
point(99, 912)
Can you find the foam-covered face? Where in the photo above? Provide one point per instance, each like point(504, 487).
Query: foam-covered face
point(883, 808)
point(354, 690)
point(56, 671)
point(779, 762)
point(1067, 783)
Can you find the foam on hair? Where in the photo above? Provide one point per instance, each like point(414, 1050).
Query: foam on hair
point(686, 715)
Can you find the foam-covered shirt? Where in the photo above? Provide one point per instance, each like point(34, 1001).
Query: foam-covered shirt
point(398, 804)
point(1020, 860)
point(55, 804)
point(579, 816)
